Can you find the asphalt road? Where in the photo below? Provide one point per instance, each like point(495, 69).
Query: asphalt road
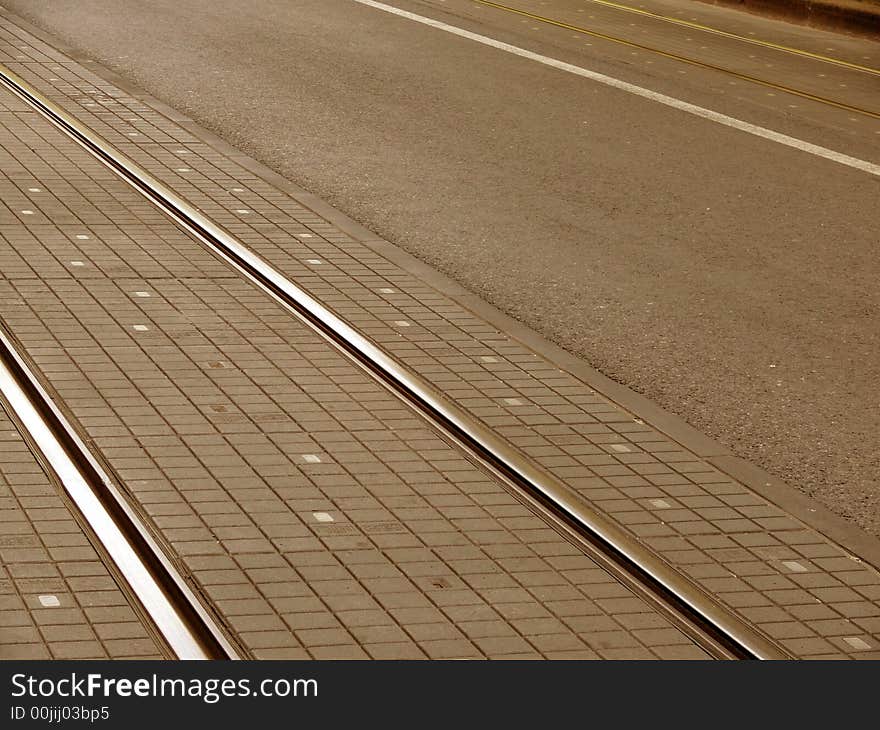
point(731, 279)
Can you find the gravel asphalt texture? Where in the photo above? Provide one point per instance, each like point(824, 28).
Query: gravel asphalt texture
point(731, 280)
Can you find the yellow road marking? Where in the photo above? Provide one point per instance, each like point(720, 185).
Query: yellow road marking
point(684, 59)
point(727, 34)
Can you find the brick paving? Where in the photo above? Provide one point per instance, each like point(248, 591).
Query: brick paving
point(789, 580)
point(58, 600)
point(321, 517)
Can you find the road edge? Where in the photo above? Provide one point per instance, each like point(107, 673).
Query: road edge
point(799, 505)
point(849, 16)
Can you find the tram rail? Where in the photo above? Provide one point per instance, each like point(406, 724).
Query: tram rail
point(185, 626)
point(717, 629)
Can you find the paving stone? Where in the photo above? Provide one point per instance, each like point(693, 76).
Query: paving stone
point(74, 580)
point(199, 315)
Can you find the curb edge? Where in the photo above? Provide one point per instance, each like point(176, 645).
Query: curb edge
point(801, 506)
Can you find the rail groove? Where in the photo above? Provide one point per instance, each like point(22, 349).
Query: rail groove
point(720, 631)
point(184, 625)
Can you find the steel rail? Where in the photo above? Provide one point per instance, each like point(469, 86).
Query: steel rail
point(730, 636)
point(178, 616)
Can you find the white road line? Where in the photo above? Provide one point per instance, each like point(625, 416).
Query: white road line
point(670, 101)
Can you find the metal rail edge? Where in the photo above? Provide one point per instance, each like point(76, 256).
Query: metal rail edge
point(737, 638)
point(178, 616)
